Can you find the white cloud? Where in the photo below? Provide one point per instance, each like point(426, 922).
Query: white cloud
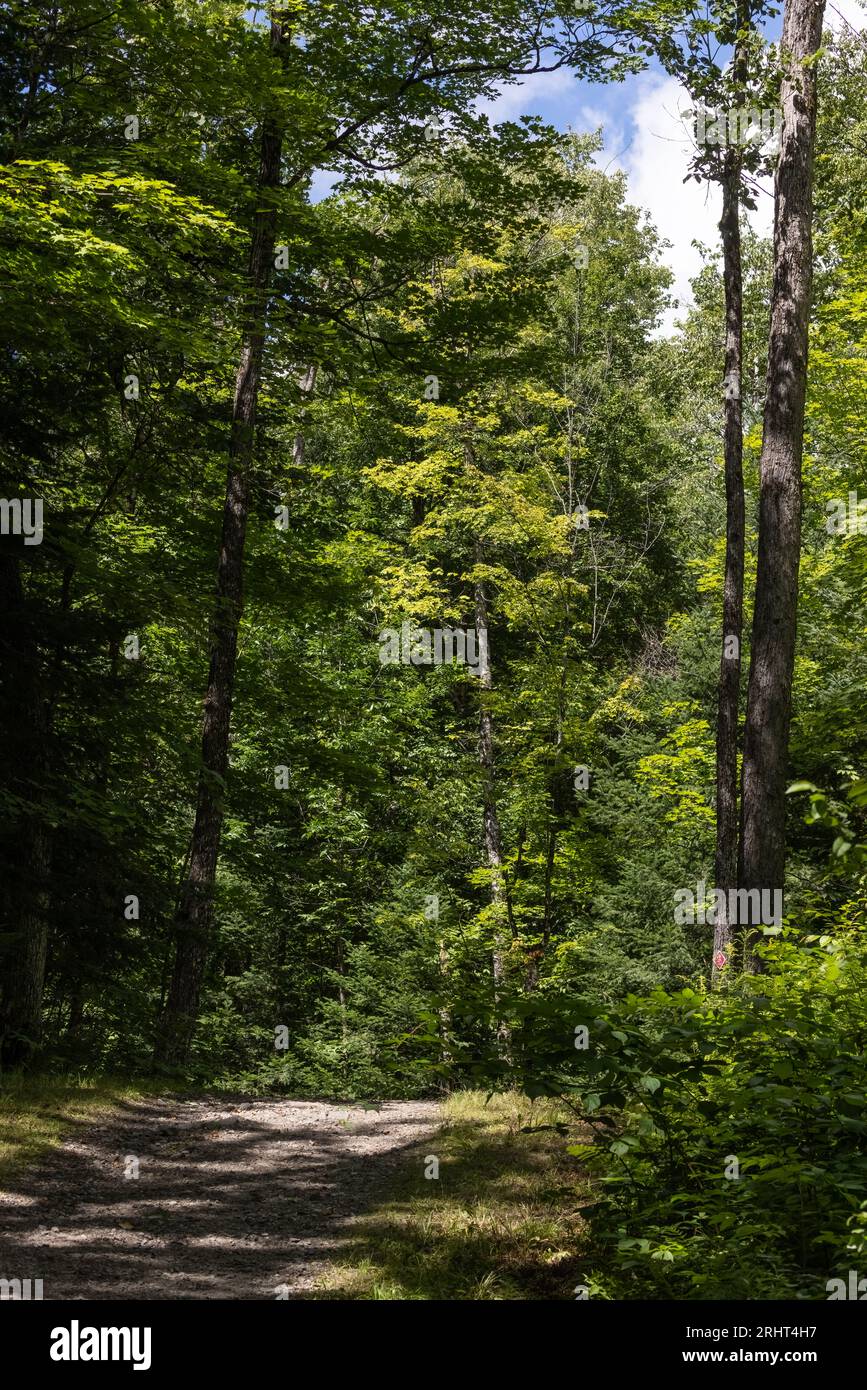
point(650, 139)
point(655, 161)
point(527, 95)
point(840, 14)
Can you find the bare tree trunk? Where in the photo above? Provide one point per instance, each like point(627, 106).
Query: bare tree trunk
point(726, 864)
point(556, 814)
point(305, 385)
point(341, 992)
point(194, 916)
point(445, 1016)
point(766, 737)
point(492, 833)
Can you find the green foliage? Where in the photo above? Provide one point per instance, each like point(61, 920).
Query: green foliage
point(567, 469)
point(727, 1128)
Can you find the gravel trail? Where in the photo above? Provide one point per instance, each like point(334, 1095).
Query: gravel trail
point(243, 1201)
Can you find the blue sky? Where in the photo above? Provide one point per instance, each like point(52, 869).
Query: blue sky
point(644, 135)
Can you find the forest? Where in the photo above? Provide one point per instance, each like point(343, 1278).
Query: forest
point(432, 650)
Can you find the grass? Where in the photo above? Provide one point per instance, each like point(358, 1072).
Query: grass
point(38, 1112)
point(502, 1220)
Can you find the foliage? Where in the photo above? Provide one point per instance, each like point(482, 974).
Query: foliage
point(729, 1128)
point(496, 415)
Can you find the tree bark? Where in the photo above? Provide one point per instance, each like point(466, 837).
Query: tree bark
point(194, 917)
point(766, 735)
point(728, 704)
point(26, 889)
point(305, 386)
point(493, 839)
point(445, 1016)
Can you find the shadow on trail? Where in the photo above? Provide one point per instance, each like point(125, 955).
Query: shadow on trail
point(229, 1202)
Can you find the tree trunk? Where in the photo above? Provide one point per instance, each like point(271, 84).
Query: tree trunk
point(76, 1015)
point(305, 386)
point(26, 888)
point(445, 1016)
point(194, 916)
point(491, 821)
point(557, 811)
point(726, 864)
point(766, 736)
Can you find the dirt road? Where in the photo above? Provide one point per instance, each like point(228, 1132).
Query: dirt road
point(247, 1200)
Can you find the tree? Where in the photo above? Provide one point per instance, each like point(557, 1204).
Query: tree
point(731, 148)
point(194, 913)
point(772, 656)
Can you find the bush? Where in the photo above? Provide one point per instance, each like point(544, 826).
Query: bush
point(729, 1127)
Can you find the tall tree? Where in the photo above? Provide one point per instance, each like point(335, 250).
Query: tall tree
point(25, 710)
point(731, 146)
point(728, 697)
point(195, 909)
point(83, 248)
point(493, 834)
point(772, 657)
